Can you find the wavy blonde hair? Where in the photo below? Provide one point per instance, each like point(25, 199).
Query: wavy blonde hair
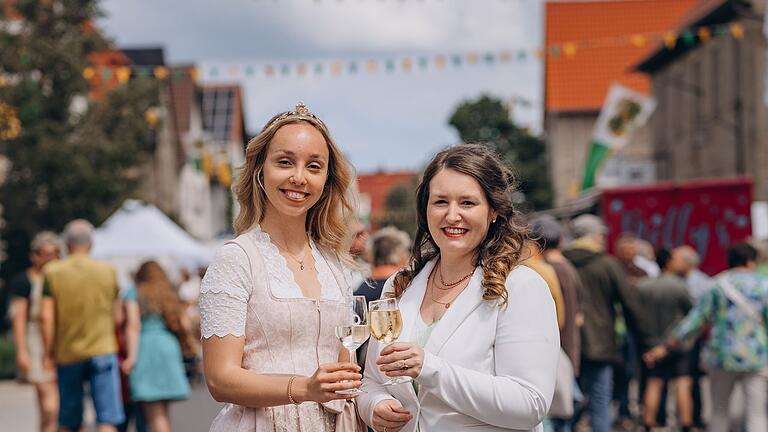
point(328, 221)
point(504, 244)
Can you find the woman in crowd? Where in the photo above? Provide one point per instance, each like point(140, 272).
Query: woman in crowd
point(26, 289)
point(270, 301)
point(158, 376)
point(480, 336)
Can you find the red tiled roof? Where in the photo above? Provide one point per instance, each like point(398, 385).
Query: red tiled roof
point(580, 82)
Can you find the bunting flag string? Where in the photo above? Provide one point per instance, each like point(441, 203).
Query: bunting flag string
point(407, 64)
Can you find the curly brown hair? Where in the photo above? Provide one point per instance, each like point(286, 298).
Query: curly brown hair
point(503, 246)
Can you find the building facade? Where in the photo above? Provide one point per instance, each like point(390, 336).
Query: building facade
point(711, 119)
point(577, 82)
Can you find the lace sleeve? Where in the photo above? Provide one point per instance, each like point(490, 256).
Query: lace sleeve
point(224, 293)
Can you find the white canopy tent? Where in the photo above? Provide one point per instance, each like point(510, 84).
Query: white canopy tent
point(139, 232)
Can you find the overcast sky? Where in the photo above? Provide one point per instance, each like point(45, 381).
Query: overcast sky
point(383, 120)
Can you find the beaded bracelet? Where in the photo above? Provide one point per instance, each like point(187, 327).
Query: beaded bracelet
point(290, 394)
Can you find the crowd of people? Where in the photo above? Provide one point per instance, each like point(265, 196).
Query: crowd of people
point(500, 321)
point(654, 320)
point(75, 329)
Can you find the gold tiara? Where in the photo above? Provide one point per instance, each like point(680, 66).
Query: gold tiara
point(301, 110)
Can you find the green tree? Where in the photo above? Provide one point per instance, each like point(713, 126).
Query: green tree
point(400, 207)
point(72, 159)
point(486, 120)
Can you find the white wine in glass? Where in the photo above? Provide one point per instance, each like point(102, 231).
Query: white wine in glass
point(386, 326)
point(354, 331)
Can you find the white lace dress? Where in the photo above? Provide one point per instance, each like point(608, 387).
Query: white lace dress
point(249, 291)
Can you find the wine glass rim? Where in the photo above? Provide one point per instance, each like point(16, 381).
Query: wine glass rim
point(384, 300)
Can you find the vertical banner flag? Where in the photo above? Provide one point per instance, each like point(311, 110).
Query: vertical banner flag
point(624, 110)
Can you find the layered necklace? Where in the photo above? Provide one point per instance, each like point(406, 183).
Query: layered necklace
point(446, 286)
point(449, 285)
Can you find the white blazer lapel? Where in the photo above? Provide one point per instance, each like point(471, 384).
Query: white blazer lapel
point(410, 302)
point(460, 309)
point(410, 305)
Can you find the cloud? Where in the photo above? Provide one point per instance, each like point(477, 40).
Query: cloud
point(235, 29)
point(388, 121)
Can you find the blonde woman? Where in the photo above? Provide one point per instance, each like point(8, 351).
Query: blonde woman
point(271, 299)
point(480, 337)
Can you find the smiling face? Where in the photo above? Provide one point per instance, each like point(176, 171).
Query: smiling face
point(458, 213)
point(295, 170)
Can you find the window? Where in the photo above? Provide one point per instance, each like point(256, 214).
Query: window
point(217, 113)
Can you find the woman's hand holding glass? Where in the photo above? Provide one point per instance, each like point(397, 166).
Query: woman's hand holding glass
point(402, 359)
point(329, 378)
point(386, 326)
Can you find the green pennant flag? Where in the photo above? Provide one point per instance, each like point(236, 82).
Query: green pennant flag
point(689, 38)
point(624, 111)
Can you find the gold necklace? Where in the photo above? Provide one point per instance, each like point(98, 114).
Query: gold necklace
point(300, 262)
point(445, 304)
point(450, 285)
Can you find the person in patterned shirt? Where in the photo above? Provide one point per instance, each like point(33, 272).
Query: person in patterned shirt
point(737, 350)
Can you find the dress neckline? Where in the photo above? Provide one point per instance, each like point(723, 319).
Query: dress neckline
point(329, 289)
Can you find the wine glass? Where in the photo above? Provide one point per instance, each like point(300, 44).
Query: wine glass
point(354, 331)
point(386, 326)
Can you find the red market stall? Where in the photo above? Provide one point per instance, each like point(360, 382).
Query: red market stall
point(709, 215)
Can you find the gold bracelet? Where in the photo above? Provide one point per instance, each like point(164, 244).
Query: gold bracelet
point(290, 393)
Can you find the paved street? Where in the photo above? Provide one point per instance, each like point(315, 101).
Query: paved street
point(18, 414)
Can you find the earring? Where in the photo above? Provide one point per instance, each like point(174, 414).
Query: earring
point(494, 220)
point(257, 174)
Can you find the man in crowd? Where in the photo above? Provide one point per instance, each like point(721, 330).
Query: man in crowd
point(626, 251)
point(547, 231)
point(698, 283)
point(666, 301)
point(390, 253)
point(80, 300)
point(737, 308)
point(605, 285)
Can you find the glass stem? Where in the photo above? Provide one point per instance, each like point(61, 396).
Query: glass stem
point(351, 356)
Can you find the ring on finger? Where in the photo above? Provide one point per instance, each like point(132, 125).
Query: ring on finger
point(404, 364)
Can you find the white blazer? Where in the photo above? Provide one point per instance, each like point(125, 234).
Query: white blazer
point(486, 368)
